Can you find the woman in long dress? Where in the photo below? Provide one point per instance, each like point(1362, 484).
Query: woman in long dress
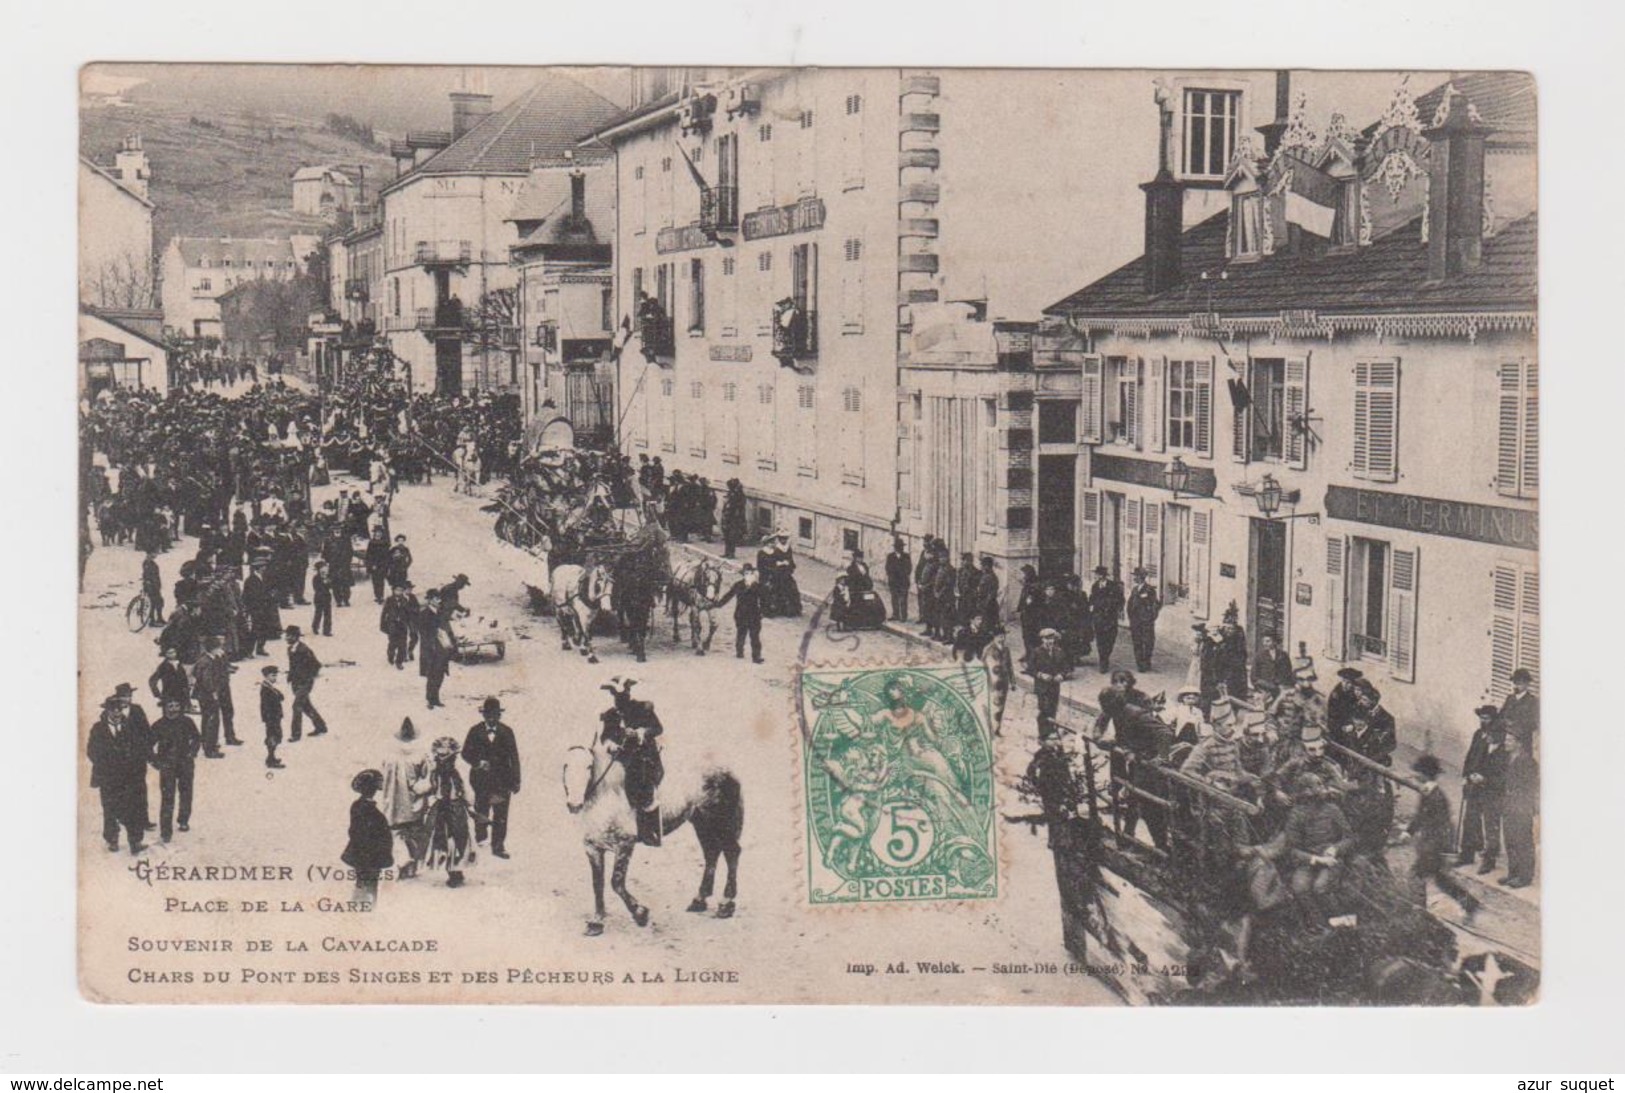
point(450, 846)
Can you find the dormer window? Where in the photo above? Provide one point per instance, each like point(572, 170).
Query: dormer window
point(1247, 225)
point(1346, 227)
point(1211, 122)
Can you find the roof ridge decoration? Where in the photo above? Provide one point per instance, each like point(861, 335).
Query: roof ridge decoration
point(1298, 134)
point(1401, 112)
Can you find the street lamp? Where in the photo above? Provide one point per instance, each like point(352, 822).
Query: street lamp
point(1177, 476)
point(1269, 497)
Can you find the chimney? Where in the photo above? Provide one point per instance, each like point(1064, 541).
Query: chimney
point(468, 109)
point(132, 166)
point(1283, 113)
point(1164, 224)
point(578, 196)
point(1455, 208)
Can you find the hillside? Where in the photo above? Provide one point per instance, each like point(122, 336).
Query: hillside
point(230, 175)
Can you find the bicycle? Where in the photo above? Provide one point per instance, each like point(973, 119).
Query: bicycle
point(138, 613)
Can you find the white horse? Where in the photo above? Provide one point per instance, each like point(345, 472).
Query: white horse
point(695, 587)
point(579, 594)
point(708, 798)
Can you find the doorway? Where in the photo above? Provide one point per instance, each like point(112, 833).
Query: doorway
point(1057, 514)
point(448, 366)
point(1176, 553)
point(1266, 612)
point(1111, 535)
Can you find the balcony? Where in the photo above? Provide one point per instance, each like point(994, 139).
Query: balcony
point(458, 252)
point(355, 288)
point(446, 317)
point(655, 331)
point(795, 333)
point(719, 209)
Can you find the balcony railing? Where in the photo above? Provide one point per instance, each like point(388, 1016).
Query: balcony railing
point(448, 316)
point(719, 208)
point(795, 333)
point(457, 252)
point(655, 331)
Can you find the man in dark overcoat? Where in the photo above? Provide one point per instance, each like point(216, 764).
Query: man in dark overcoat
point(492, 754)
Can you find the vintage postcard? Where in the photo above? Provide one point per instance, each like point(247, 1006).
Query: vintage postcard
point(839, 535)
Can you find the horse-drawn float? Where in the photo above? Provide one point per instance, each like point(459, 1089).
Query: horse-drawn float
point(1190, 918)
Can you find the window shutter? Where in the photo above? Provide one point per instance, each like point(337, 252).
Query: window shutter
point(1151, 556)
point(1156, 402)
point(1093, 402)
point(1530, 469)
point(1509, 417)
point(1403, 582)
point(1201, 550)
point(1381, 420)
point(1504, 628)
point(1336, 573)
point(1241, 421)
point(1297, 412)
point(1129, 377)
point(1529, 625)
point(1131, 535)
point(1204, 406)
point(1091, 530)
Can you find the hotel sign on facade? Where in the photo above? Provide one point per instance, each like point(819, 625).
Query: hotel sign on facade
point(1494, 524)
point(804, 216)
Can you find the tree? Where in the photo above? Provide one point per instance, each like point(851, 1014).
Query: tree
point(494, 319)
point(121, 282)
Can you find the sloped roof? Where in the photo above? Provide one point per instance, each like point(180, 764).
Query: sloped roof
point(196, 248)
point(316, 174)
point(1505, 100)
point(115, 180)
point(540, 124)
point(1389, 275)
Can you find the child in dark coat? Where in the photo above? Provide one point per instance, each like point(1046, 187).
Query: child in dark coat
point(371, 848)
point(271, 713)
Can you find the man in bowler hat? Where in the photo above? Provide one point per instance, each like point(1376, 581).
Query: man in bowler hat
point(1483, 791)
point(1105, 605)
point(1143, 607)
point(1430, 831)
point(492, 754)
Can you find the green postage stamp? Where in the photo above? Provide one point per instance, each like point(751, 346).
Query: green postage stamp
point(898, 776)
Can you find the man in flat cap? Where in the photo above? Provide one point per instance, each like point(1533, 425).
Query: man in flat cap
point(1050, 665)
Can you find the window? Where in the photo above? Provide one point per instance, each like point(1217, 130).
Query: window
point(637, 173)
point(696, 390)
point(852, 436)
point(606, 309)
point(206, 284)
point(696, 296)
point(1246, 225)
point(806, 119)
point(764, 261)
point(1346, 224)
point(1182, 404)
point(806, 437)
point(987, 443)
point(804, 288)
point(1368, 599)
point(766, 429)
point(1268, 408)
point(1058, 421)
point(764, 133)
point(730, 423)
point(804, 528)
point(1517, 449)
point(854, 104)
point(852, 291)
point(1123, 407)
point(1211, 118)
point(1376, 421)
point(665, 165)
point(1514, 626)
